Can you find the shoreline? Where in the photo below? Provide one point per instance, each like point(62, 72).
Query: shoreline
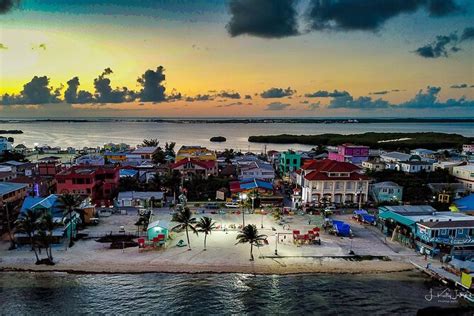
point(334, 267)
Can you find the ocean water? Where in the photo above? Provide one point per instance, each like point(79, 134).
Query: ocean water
point(221, 294)
point(94, 133)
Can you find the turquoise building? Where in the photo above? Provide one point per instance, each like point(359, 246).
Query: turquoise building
point(386, 192)
point(289, 161)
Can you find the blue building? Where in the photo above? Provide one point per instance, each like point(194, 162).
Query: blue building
point(386, 192)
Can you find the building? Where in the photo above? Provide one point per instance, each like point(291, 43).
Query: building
point(142, 154)
point(447, 165)
point(257, 169)
point(429, 231)
point(332, 181)
point(91, 160)
point(111, 147)
point(49, 166)
point(5, 145)
point(116, 157)
point(422, 152)
point(447, 192)
point(97, 182)
point(250, 186)
point(196, 153)
point(139, 199)
point(465, 175)
point(289, 161)
point(350, 153)
point(468, 149)
point(373, 165)
point(414, 165)
point(190, 167)
point(464, 205)
point(387, 191)
point(11, 195)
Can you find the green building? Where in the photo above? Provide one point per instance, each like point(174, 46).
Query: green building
point(289, 161)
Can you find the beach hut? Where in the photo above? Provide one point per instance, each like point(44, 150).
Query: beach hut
point(158, 229)
point(342, 229)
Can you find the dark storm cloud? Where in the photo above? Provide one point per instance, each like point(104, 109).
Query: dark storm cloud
point(276, 106)
point(429, 99)
point(274, 93)
point(152, 85)
point(442, 46)
point(36, 91)
point(327, 94)
point(263, 18)
point(229, 95)
point(104, 92)
point(459, 86)
point(362, 103)
point(70, 95)
point(7, 5)
point(379, 92)
point(467, 34)
point(200, 97)
point(369, 15)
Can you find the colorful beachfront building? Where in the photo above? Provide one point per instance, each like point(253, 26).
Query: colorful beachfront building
point(354, 154)
point(11, 194)
point(5, 145)
point(465, 175)
point(196, 153)
point(431, 232)
point(387, 191)
point(115, 157)
point(97, 182)
point(332, 181)
point(289, 161)
point(190, 167)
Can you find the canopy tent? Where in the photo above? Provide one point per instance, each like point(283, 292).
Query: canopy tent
point(368, 218)
point(341, 228)
point(360, 212)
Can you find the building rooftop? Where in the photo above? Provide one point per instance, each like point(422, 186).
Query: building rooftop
point(9, 187)
point(140, 195)
point(145, 150)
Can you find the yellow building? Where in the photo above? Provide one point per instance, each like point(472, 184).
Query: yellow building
point(195, 152)
point(116, 157)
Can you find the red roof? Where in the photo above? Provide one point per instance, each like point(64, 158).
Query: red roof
point(321, 169)
point(206, 164)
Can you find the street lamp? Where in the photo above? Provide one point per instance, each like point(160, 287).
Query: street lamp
point(261, 224)
point(243, 197)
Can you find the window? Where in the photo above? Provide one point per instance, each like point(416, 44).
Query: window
point(443, 232)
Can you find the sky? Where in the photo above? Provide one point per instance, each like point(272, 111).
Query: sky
point(236, 58)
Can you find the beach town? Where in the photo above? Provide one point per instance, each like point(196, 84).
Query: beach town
point(154, 208)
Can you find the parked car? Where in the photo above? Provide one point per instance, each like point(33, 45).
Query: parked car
point(212, 206)
point(232, 205)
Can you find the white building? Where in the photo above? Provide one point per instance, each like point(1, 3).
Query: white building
point(465, 175)
point(258, 170)
point(332, 181)
point(447, 165)
point(414, 166)
point(5, 145)
point(468, 149)
point(91, 160)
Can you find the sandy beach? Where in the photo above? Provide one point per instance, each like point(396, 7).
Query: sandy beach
point(375, 255)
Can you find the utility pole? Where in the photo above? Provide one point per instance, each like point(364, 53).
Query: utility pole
point(12, 242)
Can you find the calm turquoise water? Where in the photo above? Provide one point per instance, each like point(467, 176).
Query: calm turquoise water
point(93, 134)
point(64, 294)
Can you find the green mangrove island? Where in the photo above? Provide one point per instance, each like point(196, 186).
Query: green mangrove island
point(389, 141)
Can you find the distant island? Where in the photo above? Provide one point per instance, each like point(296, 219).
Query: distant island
point(389, 141)
point(243, 120)
point(218, 139)
point(10, 131)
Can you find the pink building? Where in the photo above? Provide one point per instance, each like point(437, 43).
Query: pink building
point(350, 153)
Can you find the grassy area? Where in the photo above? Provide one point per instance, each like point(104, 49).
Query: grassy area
point(391, 141)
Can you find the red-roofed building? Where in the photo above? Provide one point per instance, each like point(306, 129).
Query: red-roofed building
point(190, 166)
point(97, 182)
point(335, 181)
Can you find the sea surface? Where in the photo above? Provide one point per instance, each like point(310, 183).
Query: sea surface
point(97, 133)
point(204, 294)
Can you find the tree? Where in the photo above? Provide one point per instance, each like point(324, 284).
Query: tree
point(155, 184)
point(249, 234)
point(206, 226)
point(46, 226)
point(153, 142)
point(186, 222)
point(172, 180)
point(128, 184)
point(169, 149)
point(159, 157)
point(27, 224)
point(69, 203)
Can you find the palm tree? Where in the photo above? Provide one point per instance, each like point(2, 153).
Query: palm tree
point(69, 204)
point(206, 226)
point(153, 142)
point(249, 234)
point(28, 224)
point(186, 222)
point(47, 225)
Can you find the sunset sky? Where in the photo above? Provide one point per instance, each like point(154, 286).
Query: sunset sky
point(239, 57)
